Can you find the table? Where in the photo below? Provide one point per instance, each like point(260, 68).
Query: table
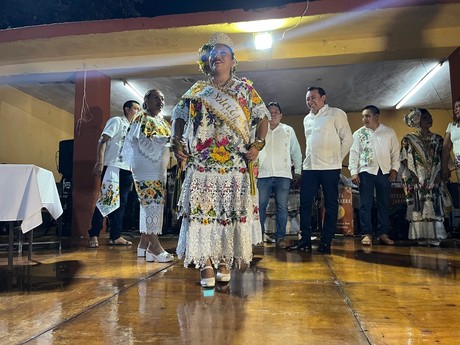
point(25, 190)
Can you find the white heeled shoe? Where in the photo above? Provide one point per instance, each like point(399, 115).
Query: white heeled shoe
point(141, 252)
point(162, 257)
point(223, 277)
point(207, 282)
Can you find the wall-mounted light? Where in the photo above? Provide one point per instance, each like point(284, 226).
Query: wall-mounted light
point(263, 40)
point(418, 86)
point(132, 89)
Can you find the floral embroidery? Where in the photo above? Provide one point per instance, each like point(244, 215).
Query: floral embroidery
point(365, 143)
point(152, 125)
point(150, 192)
point(425, 197)
point(216, 151)
point(108, 196)
point(216, 194)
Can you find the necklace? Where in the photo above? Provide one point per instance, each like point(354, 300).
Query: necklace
point(223, 85)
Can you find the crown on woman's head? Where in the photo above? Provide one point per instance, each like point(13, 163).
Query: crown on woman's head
point(220, 38)
point(203, 52)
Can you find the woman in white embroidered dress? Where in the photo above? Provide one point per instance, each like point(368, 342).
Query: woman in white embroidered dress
point(212, 126)
point(146, 149)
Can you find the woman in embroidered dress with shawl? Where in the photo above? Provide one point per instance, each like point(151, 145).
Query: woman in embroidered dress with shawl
point(146, 149)
point(219, 127)
point(426, 195)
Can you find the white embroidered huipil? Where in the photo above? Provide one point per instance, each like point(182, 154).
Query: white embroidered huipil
point(328, 139)
point(373, 150)
point(148, 154)
point(281, 150)
point(220, 218)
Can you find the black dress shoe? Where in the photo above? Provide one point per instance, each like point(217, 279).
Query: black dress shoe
point(300, 245)
point(324, 248)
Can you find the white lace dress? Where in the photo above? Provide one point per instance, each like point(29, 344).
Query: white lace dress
point(146, 151)
point(220, 216)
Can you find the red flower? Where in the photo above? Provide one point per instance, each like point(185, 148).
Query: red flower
point(223, 142)
point(207, 143)
point(243, 219)
point(201, 169)
point(242, 170)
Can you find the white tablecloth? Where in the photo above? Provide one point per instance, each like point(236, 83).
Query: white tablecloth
point(24, 190)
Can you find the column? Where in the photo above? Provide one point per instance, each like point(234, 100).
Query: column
point(92, 110)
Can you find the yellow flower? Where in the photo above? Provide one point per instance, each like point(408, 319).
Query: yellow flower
point(255, 97)
point(247, 112)
point(205, 221)
point(220, 154)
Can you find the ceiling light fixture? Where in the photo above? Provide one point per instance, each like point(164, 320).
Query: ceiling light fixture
point(263, 40)
point(419, 85)
point(132, 89)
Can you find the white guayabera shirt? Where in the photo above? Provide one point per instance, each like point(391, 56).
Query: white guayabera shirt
point(328, 139)
point(281, 150)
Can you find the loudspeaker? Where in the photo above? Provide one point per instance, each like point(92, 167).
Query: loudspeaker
point(66, 158)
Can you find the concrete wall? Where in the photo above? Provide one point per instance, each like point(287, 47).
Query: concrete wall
point(30, 130)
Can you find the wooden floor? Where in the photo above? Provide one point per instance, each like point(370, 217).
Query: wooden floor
point(390, 295)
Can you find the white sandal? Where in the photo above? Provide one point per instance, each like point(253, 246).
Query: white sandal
point(366, 240)
point(207, 282)
point(92, 242)
point(223, 277)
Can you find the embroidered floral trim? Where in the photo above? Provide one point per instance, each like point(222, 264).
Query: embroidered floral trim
point(108, 195)
point(150, 192)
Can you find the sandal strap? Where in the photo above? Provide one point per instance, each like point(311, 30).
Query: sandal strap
point(207, 267)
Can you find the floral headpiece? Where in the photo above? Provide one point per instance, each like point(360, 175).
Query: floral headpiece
point(203, 52)
point(413, 118)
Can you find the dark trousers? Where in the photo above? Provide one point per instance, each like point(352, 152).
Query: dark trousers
point(116, 217)
point(381, 185)
point(329, 182)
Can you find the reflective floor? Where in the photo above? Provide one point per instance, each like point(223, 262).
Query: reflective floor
point(388, 295)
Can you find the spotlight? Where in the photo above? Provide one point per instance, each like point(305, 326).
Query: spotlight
point(263, 40)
